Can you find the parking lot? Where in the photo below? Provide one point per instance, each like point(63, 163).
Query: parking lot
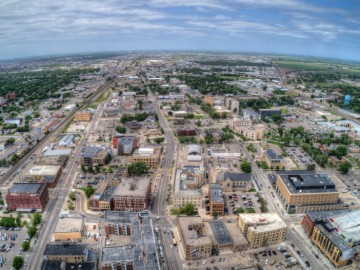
point(299, 157)
point(11, 240)
point(83, 180)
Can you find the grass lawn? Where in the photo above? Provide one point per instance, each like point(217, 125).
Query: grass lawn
point(103, 97)
point(91, 106)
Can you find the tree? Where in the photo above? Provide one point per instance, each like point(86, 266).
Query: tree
point(32, 231)
point(36, 218)
point(189, 209)
point(311, 167)
point(18, 262)
point(344, 167)
point(11, 140)
point(250, 210)
point(246, 167)
point(340, 151)
point(137, 168)
point(120, 129)
point(72, 196)
point(18, 219)
point(240, 210)
point(159, 140)
point(215, 214)
point(25, 245)
point(89, 190)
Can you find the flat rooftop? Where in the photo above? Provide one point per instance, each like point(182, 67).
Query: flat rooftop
point(263, 221)
point(44, 170)
point(118, 216)
point(32, 188)
point(69, 224)
point(220, 232)
point(216, 193)
point(65, 249)
point(56, 265)
point(191, 236)
point(51, 160)
point(118, 254)
point(132, 187)
point(272, 155)
point(307, 182)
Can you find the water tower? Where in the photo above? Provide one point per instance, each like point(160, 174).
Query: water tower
point(347, 100)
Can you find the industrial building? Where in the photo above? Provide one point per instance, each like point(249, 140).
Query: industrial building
point(48, 174)
point(302, 191)
point(263, 229)
point(27, 197)
point(52, 160)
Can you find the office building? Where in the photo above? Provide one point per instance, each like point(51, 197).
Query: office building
point(69, 229)
point(263, 229)
point(126, 145)
point(101, 200)
point(83, 116)
point(94, 156)
point(25, 197)
point(302, 191)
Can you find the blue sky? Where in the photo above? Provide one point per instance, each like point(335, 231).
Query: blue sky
point(317, 28)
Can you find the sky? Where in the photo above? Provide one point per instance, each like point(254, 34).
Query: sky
point(323, 28)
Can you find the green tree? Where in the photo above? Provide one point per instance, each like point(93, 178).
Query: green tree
point(321, 160)
point(250, 210)
point(72, 196)
point(189, 209)
point(89, 190)
point(32, 231)
point(137, 168)
point(25, 245)
point(120, 129)
point(246, 167)
point(11, 140)
point(240, 210)
point(215, 214)
point(18, 262)
point(344, 167)
point(36, 218)
point(159, 140)
point(18, 219)
point(311, 167)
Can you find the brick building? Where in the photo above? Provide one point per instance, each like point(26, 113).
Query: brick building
point(27, 197)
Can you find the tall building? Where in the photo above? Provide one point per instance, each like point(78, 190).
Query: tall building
point(216, 200)
point(302, 191)
point(263, 229)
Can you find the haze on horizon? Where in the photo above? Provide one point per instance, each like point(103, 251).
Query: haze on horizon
point(300, 27)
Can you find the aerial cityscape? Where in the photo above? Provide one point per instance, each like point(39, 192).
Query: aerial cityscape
point(203, 135)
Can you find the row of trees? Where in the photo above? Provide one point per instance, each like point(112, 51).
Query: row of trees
point(138, 117)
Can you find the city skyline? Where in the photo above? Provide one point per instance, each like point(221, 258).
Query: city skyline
point(313, 28)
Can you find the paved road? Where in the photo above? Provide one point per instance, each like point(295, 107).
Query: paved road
point(59, 197)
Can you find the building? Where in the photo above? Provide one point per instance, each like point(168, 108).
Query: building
point(10, 96)
point(13, 121)
point(186, 190)
point(251, 114)
point(177, 96)
point(302, 191)
point(234, 181)
point(94, 155)
point(101, 200)
point(52, 160)
point(216, 200)
point(27, 197)
point(67, 140)
point(219, 236)
point(140, 253)
point(126, 145)
point(268, 113)
point(70, 253)
point(194, 243)
point(48, 174)
point(132, 194)
point(50, 150)
point(83, 116)
point(194, 152)
point(62, 265)
point(263, 229)
point(224, 151)
point(69, 229)
point(241, 122)
point(209, 100)
point(273, 160)
point(49, 126)
point(336, 233)
point(149, 155)
point(232, 104)
point(186, 131)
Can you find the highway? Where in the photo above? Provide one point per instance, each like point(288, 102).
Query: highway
point(60, 193)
